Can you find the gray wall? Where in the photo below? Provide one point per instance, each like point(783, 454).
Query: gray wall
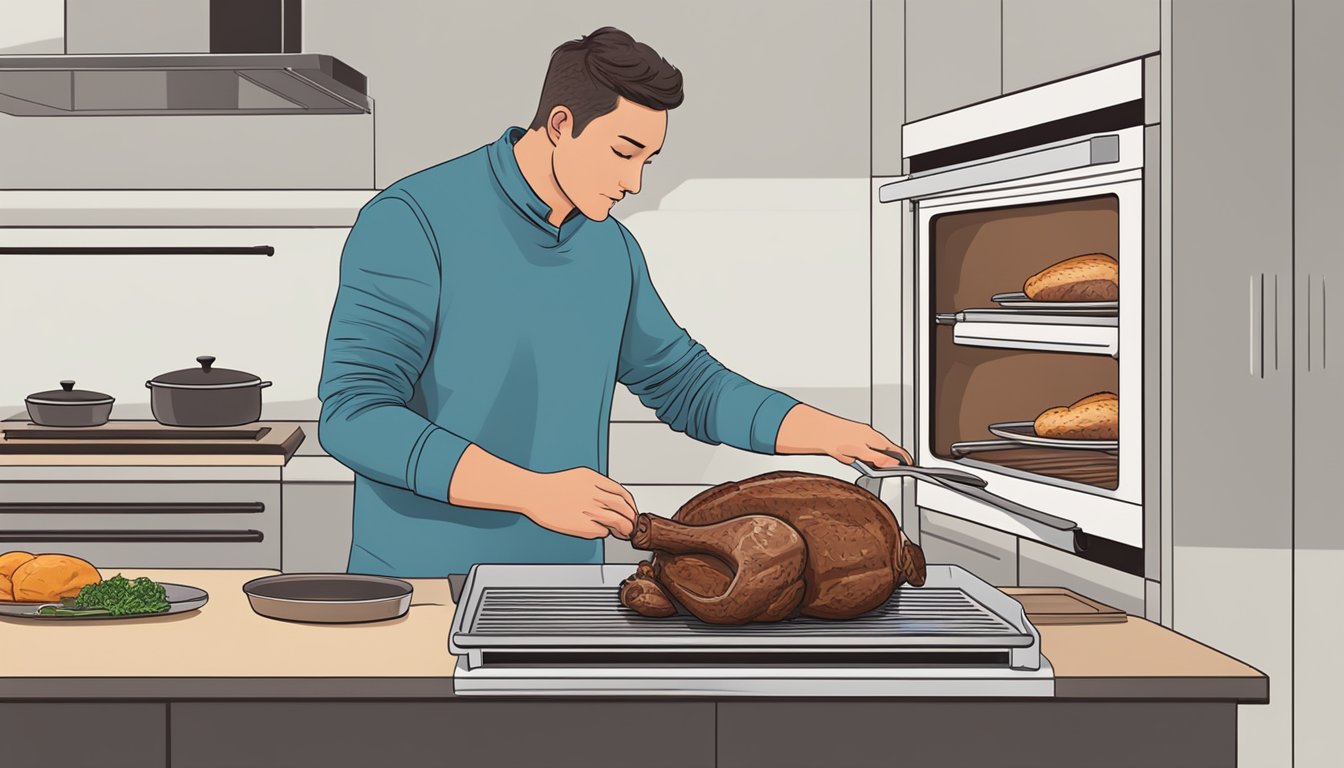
point(772, 90)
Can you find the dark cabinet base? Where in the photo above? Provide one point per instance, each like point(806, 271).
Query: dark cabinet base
point(596, 733)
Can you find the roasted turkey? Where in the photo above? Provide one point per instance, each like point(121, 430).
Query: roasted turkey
point(772, 547)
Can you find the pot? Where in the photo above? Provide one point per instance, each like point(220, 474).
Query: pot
point(69, 407)
point(206, 396)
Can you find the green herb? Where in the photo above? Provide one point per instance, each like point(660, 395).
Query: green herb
point(119, 596)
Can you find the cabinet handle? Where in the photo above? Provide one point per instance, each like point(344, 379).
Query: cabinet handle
point(132, 537)
point(1263, 311)
point(1256, 332)
point(131, 507)
point(1312, 335)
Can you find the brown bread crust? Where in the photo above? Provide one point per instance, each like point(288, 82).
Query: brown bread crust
point(1095, 417)
point(1092, 277)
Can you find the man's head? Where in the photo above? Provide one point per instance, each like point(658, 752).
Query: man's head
point(604, 108)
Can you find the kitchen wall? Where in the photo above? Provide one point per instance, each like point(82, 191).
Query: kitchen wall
point(754, 218)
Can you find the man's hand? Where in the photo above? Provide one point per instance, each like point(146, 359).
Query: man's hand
point(808, 430)
point(579, 502)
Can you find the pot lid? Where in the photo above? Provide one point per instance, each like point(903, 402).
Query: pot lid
point(205, 376)
point(68, 394)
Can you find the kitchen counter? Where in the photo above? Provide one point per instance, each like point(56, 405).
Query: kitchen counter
point(377, 693)
point(272, 449)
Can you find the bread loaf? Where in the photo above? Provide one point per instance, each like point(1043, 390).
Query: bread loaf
point(8, 563)
point(50, 577)
point(1095, 417)
point(1093, 277)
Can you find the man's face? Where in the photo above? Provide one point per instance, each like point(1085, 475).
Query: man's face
point(606, 162)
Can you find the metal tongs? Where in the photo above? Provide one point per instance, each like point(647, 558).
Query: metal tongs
point(1057, 531)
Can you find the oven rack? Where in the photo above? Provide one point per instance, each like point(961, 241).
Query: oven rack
point(1087, 333)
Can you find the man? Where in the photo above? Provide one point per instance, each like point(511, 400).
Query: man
point(488, 306)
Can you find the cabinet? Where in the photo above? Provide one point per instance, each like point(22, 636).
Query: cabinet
point(888, 72)
point(1231, 380)
point(985, 552)
point(1045, 40)
point(1318, 418)
point(953, 54)
point(317, 528)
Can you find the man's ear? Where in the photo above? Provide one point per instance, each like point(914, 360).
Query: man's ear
point(560, 123)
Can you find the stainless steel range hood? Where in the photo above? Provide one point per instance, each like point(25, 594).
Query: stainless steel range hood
point(181, 57)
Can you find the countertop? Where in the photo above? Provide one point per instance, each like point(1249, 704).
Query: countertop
point(226, 651)
point(273, 449)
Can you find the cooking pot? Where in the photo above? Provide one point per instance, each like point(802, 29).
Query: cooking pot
point(205, 396)
point(69, 407)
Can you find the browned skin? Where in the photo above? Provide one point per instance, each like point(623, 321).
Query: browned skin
point(764, 555)
point(642, 593)
point(856, 553)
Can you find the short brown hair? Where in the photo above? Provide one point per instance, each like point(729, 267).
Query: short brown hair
point(587, 75)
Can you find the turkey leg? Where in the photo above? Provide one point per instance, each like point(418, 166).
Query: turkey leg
point(765, 555)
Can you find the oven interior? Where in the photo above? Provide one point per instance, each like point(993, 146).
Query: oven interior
point(987, 251)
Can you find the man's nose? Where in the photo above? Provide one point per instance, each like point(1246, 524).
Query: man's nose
point(632, 184)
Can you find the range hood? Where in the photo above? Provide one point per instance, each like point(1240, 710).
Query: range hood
point(181, 57)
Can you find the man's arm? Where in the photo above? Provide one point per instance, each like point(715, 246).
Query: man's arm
point(688, 389)
point(379, 339)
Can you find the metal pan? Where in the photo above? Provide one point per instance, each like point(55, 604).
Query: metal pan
point(1024, 433)
point(1019, 300)
point(329, 598)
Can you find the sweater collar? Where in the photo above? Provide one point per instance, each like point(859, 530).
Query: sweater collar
point(515, 187)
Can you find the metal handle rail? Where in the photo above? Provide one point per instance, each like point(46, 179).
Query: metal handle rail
point(1060, 532)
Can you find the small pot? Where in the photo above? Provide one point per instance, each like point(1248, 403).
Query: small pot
point(69, 407)
point(206, 396)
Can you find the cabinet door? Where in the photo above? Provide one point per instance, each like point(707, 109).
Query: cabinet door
point(1231, 382)
point(888, 66)
point(952, 54)
point(1045, 40)
point(316, 532)
point(1318, 412)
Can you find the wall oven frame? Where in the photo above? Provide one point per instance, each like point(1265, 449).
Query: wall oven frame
point(1072, 140)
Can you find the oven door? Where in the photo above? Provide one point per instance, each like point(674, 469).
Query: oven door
point(975, 376)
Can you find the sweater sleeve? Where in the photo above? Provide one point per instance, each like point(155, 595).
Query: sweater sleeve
point(381, 332)
point(688, 389)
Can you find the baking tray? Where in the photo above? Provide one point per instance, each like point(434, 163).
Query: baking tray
point(1024, 433)
point(560, 614)
point(329, 598)
point(1019, 300)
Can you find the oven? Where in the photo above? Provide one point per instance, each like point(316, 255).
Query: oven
point(996, 193)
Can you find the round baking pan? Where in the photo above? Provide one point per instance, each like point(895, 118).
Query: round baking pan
point(329, 598)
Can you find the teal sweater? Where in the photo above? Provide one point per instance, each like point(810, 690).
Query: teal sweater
point(462, 317)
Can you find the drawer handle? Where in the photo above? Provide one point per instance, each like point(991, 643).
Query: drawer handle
point(128, 507)
point(132, 537)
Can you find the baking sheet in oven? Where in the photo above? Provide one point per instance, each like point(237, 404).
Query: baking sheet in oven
point(1019, 300)
point(1024, 433)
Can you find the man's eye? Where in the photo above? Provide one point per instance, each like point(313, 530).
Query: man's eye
point(623, 157)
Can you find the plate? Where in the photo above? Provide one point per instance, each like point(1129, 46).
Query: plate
point(181, 598)
point(1024, 432)
point(329, 598)
point(1019, 300)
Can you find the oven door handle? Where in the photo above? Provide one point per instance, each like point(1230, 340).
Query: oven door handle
point(1062, 534)
point(1098, 150)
